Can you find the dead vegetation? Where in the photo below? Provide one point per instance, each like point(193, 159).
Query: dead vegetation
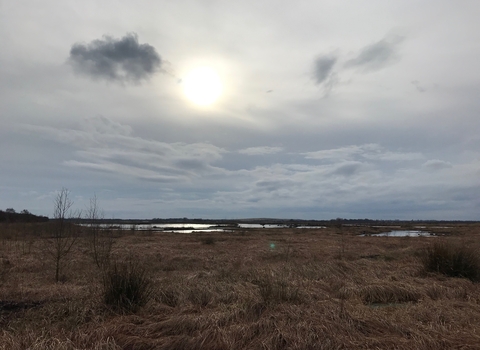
point(259, 289)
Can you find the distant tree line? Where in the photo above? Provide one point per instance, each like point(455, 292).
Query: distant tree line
point(10, 215)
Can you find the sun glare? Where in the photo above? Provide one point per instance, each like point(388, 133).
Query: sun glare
point(202, 86)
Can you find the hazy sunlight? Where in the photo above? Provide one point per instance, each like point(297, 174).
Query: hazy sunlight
point(202, 86)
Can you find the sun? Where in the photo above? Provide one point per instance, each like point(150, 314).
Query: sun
point(202, 86)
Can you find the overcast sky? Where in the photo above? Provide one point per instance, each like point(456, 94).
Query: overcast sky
point(354, 109)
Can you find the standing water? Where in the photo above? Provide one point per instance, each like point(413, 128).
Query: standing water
point(402, 233)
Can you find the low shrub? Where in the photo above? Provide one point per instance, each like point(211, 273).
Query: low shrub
point(126, 286)
point(452, 260)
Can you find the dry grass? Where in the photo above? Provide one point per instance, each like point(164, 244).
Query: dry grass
point(258, 289)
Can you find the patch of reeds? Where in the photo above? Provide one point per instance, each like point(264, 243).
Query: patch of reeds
point(453, 260)
point(126, 286)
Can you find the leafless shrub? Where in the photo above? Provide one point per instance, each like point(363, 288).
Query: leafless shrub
point(64, 231)
point(100, 239)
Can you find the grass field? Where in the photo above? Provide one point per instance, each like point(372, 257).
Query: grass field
point(251, 289)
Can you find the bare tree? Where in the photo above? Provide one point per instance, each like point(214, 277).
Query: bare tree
point(64, 233)
point(100, 238)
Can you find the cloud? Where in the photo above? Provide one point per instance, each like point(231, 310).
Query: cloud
point(342, 153)
point(376, 56)
point(323, 74)
point(102, 125)
point(366, 179)
point(370, 151)
point(436, 164)
point(115, 168)
point(121, 60)
point(384, 188)
point(347, 168)
point(258, 151)
point(107, 146)
point(323, 68)
point(417, 85)
point(274, 185)
point(371, 58)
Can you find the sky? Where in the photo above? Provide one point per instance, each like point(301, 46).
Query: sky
point(352, 109)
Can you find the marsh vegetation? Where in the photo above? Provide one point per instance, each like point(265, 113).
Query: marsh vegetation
point(249, 289)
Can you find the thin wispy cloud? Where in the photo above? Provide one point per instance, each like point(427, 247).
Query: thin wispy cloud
point(367, 151)
point(258, 151)
point(418, 86)
point(436, 164)
point(347, 168)
point(328, 69)
point(377, 55)
point(107, 146)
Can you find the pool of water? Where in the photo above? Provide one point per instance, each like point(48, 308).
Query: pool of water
point(261, 226)
point(198, 230)
point(311, 227)
point(403, 233)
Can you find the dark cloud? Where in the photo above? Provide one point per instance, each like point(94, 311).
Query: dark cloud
point(377, 55)
point(122, 60)
point(323, 68)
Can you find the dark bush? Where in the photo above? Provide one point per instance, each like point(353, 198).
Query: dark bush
point(452, 260)
point(126, 286)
